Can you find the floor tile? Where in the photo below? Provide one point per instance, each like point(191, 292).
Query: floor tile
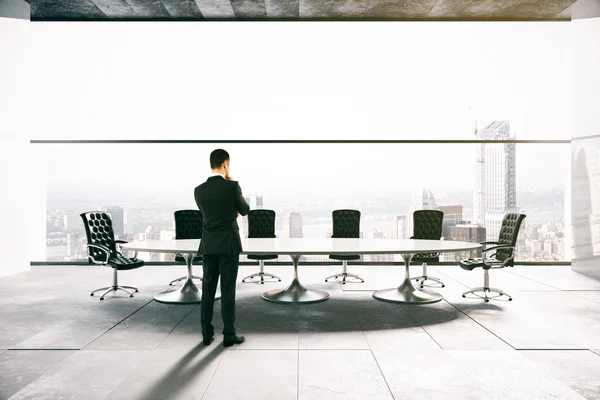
point(427, 374)
point(171, 374)
point(145, 329)
point(509, 375)
point(89, 375)
point(255, 374)
point(580, 370)
point(453, 330)
point(340, 374)
point(19, 368)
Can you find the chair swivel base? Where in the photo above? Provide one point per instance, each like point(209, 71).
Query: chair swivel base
point(262, 276)
point(344, 275)
point(485, 293)
point(183, 278)
point(114, 289)
point(423, 279)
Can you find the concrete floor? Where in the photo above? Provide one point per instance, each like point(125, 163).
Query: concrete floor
point(57, 342)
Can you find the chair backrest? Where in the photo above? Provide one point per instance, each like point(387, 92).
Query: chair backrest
point(509, 231)
point(346, 224)
point(99, 230)
point(188, 224)
point(261, 224)
point(428, 224)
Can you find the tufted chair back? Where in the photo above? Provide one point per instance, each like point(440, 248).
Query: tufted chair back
point(346, 224)
point(188, 224)
point(99, 230)
point(261, 224)
point(509, 231)
point(428, 224)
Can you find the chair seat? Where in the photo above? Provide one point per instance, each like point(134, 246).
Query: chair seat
point(345, 257)
point(197, 260)
point(262, 256)
point(426, 257)
point(472, 263)
point(123, 263)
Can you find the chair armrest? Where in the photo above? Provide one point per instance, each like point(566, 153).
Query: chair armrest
point(412, 237)
point(488, 242)
point(104, 249)
point(119, 241)
point(502, 246)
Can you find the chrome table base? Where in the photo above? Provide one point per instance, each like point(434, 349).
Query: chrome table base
point(406, 293)
point(188, 293)
point(295, 292)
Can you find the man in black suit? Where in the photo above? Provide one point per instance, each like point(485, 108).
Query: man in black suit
point(220, 201)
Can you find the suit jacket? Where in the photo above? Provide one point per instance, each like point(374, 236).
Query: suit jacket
point(219, 200)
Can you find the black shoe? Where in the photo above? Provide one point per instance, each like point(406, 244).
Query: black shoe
point(231, 340)
point(208, 341)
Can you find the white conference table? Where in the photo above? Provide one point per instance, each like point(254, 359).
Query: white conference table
point(295, 292)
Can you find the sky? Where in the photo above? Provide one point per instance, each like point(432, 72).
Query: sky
point(293, 81)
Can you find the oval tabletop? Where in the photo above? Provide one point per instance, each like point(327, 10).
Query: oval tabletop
point(310, 246)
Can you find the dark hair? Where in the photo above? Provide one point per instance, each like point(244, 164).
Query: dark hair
point(218, 157)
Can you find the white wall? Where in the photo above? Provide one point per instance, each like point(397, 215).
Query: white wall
point(15, 160)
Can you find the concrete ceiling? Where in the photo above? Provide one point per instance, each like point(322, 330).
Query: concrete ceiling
point(348, 10)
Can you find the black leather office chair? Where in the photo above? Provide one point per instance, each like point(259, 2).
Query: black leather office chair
point(503, 256)
point(261, 224)
point(188, 225)
point(427, 225)
point(102, 250)
point(346, 224)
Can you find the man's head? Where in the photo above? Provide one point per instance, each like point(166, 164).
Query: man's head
point(219, 161)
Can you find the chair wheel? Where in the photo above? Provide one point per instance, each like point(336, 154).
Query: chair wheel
point(487, 300)
point(262, 283)
point(101, 298)
point(464, 296)
point(170, 284)
point(91, 294)
point(130, 295)
point(510, 299)
point(443, 285)
point(136, 290)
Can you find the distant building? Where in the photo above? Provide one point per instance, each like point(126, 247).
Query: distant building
point(117, 216)
point(292, 225)
point(255, 203)
point(400, 227)
point(453, 214)
point(495, 180)
point(468, 233)
point(423, 199)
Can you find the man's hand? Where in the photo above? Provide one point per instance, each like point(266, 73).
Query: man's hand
point(228, 178)
point(238, 214)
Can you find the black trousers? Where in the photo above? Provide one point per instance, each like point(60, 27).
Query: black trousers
point(213, 265)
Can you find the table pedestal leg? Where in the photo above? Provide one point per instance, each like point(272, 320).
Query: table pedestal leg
point(295, 292)
point(188, 293)
point(406, 293)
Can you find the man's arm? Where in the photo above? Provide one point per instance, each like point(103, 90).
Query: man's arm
point(197, 198)
point(240, 203)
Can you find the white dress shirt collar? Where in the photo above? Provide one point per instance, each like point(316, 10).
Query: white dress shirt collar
point(218, 173)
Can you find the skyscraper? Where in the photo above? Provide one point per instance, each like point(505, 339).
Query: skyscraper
point(495, 191)
point(422, 200)
point(400, 227)
point(255, 203)
point(453, 214)
point(585, 199)
point(292, 225)
point(117, 215)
